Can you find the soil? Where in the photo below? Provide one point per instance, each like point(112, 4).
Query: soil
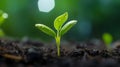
point(35, 54)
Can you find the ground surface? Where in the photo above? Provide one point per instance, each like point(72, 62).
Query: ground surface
point(34, 54)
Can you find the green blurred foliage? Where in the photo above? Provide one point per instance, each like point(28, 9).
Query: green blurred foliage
point(107, 38)
point(3, 16)
point(94, 18)
point(2, 34)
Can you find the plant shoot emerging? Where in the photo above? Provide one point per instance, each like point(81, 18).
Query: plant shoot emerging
point(60, 27)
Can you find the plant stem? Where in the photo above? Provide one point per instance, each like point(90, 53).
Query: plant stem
point(58, 43)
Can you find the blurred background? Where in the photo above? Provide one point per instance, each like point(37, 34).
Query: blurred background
point(95, 17)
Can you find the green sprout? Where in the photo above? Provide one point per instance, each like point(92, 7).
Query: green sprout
point(60, 27)
point(107, 38)
point(3, 16)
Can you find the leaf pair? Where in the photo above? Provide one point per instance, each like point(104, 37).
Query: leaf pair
point(58, 24)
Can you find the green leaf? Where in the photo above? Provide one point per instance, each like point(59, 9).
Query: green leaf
point(60, 20)
point(67, 26)
point(45, 29)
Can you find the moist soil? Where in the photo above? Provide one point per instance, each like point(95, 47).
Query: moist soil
point(28, 53)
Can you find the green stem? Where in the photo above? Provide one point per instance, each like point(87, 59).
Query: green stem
point(58, 43)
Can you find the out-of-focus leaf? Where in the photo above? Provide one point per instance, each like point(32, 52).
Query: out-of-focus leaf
point(1, 33)
point(3, 16)
point(107, 38)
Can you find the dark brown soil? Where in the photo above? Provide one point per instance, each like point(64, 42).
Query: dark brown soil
point(35, 54)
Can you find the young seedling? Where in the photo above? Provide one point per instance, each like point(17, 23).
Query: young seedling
point(60, 27)
point(107, 38)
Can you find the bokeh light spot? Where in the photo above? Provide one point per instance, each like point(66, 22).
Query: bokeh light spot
point(46, 5)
